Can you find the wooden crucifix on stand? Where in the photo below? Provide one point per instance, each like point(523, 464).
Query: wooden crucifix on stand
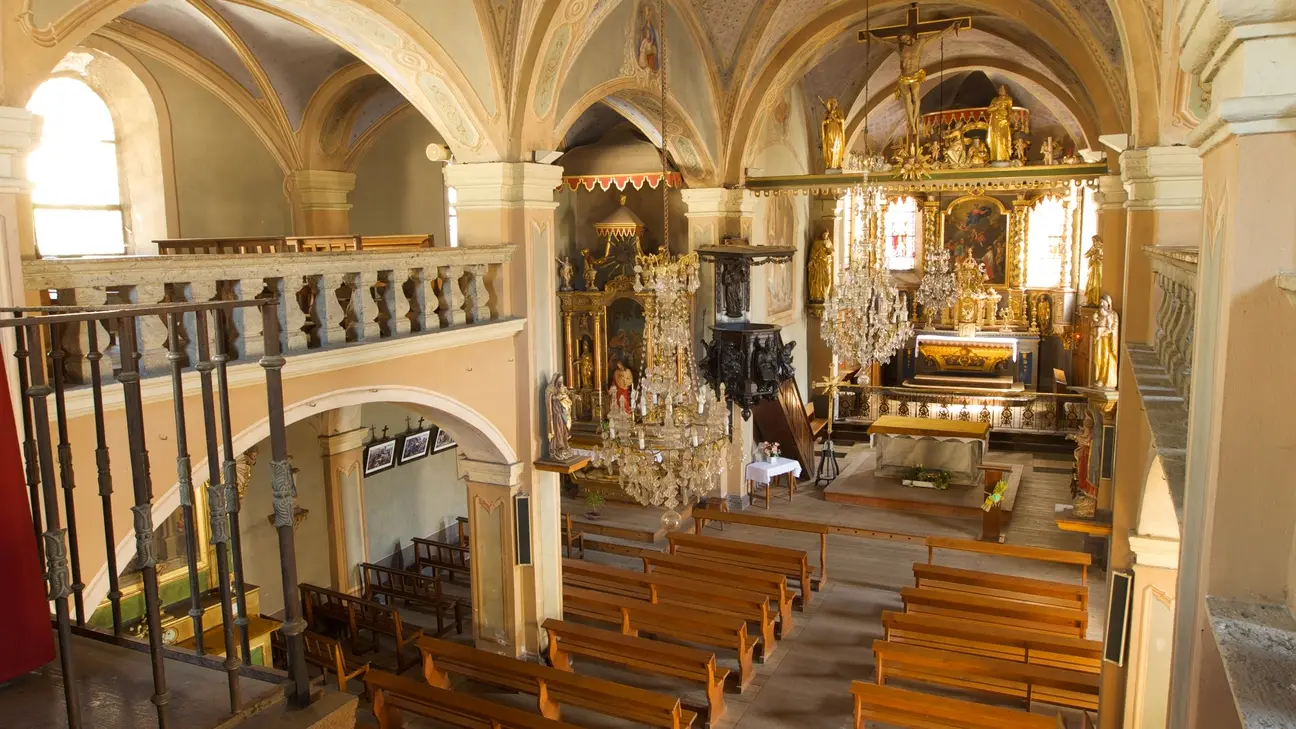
point(910, 37)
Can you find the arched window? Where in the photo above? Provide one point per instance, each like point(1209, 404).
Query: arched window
point(901, 226)
point(75, 186)
point(1045, 243)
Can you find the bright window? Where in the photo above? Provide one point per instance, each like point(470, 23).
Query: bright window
point(73, 171)
point(1045, 243)
point(901, 224)
point(452, 215)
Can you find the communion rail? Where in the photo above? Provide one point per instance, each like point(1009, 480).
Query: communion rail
point(1174, 271)
point(1027, 412)
point(48, 445)
point(320, 299)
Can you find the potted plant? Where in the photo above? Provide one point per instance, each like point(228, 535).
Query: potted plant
point(925, 479)
point(594, 500)
point(766, 451)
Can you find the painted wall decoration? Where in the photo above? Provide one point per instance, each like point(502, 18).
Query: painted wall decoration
point(647, 48)
point(780, 226)
point(978, 225)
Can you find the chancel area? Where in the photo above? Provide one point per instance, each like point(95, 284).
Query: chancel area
point(588, 364)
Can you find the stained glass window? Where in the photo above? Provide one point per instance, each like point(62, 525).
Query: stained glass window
point(901, 226)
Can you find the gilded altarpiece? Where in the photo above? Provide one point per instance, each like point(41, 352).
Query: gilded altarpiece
point(600, 330)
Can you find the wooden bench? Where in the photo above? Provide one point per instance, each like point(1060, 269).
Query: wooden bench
point(321, 606)
point(691, 626)
point(771, 583)
point(1026, 681)
point(572, 538)
point(1038, 554)
point(983, 638)
point(967, 606)
point(641, 654)
point(325, 653)
point(461, 522)
point(552, 687)
point(220, 246)
point(441, 557)
point(684, 591)
point(914, 710)
point(393, 695)
point(993, 584)
point(412, 587)
point(791, 563)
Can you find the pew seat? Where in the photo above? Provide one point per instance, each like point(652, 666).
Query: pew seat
point(322, 606)
point(993, 641)
point(993, 584)
point(915, 710)
point(413, 588)
point(791, 563)
point(326, 654)
point(995, 610)
point(771, 583)
point(394, 696)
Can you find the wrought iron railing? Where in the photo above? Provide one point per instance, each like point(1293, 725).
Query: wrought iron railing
point(196, 336)
point(1027, 412)
point(1174, 271)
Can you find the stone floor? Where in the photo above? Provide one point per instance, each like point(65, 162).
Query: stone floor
point(806, 683)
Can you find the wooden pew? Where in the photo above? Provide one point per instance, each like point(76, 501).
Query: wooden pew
point(395, 242)
point(325, 653)
point(572, 538)
point(412, 587)
point(914, 710)
point(669, 589)
point(1038, 554)
point(1025, 681)
point(552, 687)
point(321, 605)
point(788, 562)
point(771, 583)
point(967, 606)
point(692, 626)
point(983, 638)
point(462, 523)
point(220, 246)
point(441, 556)
point(641, 654)
point(1009, 587)
point(393, 695)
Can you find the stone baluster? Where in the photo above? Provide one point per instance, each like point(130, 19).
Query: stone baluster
point(452, 297)
point(334, 321)
point(364, 317)
point(151, 331)
point(478, 295)
point(248, 324)
point(399, 304)
point(310, 299)
point(1163, 311)
point(1181, 359)
point(417, 300)
point(195, 291)
point(1172, 320)
point(78, 365)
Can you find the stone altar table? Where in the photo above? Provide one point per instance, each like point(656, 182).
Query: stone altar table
point(902, 444)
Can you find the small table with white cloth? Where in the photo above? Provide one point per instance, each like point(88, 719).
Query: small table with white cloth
point(902, 444)
point(766, 473)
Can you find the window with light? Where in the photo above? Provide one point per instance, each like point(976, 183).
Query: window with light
point(901, 226)
point(1045, 243)
point(76, 192)
point(452, 215)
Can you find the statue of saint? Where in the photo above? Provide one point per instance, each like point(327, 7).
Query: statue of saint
point(565, 272)
point(1020, 145)
point(1044, 315)
point(1093, 287)
point(956, 152)
point(909, 45)
point(590, 271)
point(1106, 344)
point(559, 401)
point(834, 135)
point(1050, 151)
point(622, 384)
point(820, 275)
point(999, 135)
point(586, 363)
point(978, 154)
point(1082, 491)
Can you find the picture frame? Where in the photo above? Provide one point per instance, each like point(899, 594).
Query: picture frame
point(414, 446)
point(379, 456)
point(442, 441)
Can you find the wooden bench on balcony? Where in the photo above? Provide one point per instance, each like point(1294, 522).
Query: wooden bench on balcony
point(552, 687)
point(914, 710)
point(415, 588)
point(967, 606)
point(323, 607)
point(291, 244)
point(441, 557)
point(982, 638)
point(335, 243)
point(325, 653)
point(394, 695)
point(791, 563)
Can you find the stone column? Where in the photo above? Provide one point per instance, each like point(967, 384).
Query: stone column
point(1110, 199)
point(1163, 185)
point(319, 201)
point(18, 130)
point(507, 202)
point(341, 442)
point(503, 592)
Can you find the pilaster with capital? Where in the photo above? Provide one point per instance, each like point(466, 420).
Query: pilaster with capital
point(1111, 218)
point(319, 201)
point(341, 440)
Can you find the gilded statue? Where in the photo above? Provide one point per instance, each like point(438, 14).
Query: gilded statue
point(1106, 344)
point(590, 271)
point(1093, 287)
point(1044, 315)
point(956, 152)
point(999, 136)
point(586, 364)
point(1020, 145)
point(559, 401)
point(1050, 151)
point(909, 45)
point(820, 275)
point(834, 135)
point(565, 271)
point(978, 154)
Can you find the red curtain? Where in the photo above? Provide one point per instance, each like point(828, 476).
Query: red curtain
point(25, 634)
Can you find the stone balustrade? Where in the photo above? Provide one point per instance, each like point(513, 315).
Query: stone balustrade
point(1175, 273)
point(325, 299)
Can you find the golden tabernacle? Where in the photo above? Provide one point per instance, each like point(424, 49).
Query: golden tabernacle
point(904, 444)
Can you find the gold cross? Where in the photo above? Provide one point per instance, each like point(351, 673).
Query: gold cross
point(830, 386)
point(915, 28)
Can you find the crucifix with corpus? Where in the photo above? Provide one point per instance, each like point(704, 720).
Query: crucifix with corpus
point(910, 37)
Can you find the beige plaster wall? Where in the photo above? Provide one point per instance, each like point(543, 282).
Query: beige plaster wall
point(1151, 228)
point(227, 182)
point(398, 189)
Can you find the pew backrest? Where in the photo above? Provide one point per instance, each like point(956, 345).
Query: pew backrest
point(1038, 554)
point(994, 584)
point(967, 606)
point(457, 709)
point(904, 708)
point(984, 638)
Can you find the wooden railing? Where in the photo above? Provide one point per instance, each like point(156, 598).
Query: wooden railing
point(1175, 272)
point(297, 244)
point(325, 299)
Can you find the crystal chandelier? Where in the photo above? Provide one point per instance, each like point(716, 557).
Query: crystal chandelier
point(937, 290)
point(865, 318)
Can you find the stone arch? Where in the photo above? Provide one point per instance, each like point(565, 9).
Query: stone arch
point(375, 31)
point(476, 436)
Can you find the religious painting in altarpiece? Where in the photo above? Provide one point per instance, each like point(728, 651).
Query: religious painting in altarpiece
point(977, 225)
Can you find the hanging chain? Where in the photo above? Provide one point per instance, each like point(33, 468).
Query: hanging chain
point(661, 58)
point(868, 74)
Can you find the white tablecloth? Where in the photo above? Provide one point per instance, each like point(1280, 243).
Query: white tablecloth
point(765, 471)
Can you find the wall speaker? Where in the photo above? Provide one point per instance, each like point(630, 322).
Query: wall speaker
point(1116, 641)
point(522, 528)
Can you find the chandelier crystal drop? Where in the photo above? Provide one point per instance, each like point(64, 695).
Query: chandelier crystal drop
point(937, 290)
point(865, 318)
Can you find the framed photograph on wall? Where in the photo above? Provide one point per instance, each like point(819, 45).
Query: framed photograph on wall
point(442, 441)
point(415, 446)
point(379, 456)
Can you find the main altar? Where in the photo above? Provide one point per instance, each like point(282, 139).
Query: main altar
point(903, 444)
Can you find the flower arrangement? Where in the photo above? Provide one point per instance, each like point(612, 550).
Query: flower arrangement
point(937, 478)
point(995, 497)
point(765, 450)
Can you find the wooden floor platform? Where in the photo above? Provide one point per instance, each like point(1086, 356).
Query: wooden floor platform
point(857, 485)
